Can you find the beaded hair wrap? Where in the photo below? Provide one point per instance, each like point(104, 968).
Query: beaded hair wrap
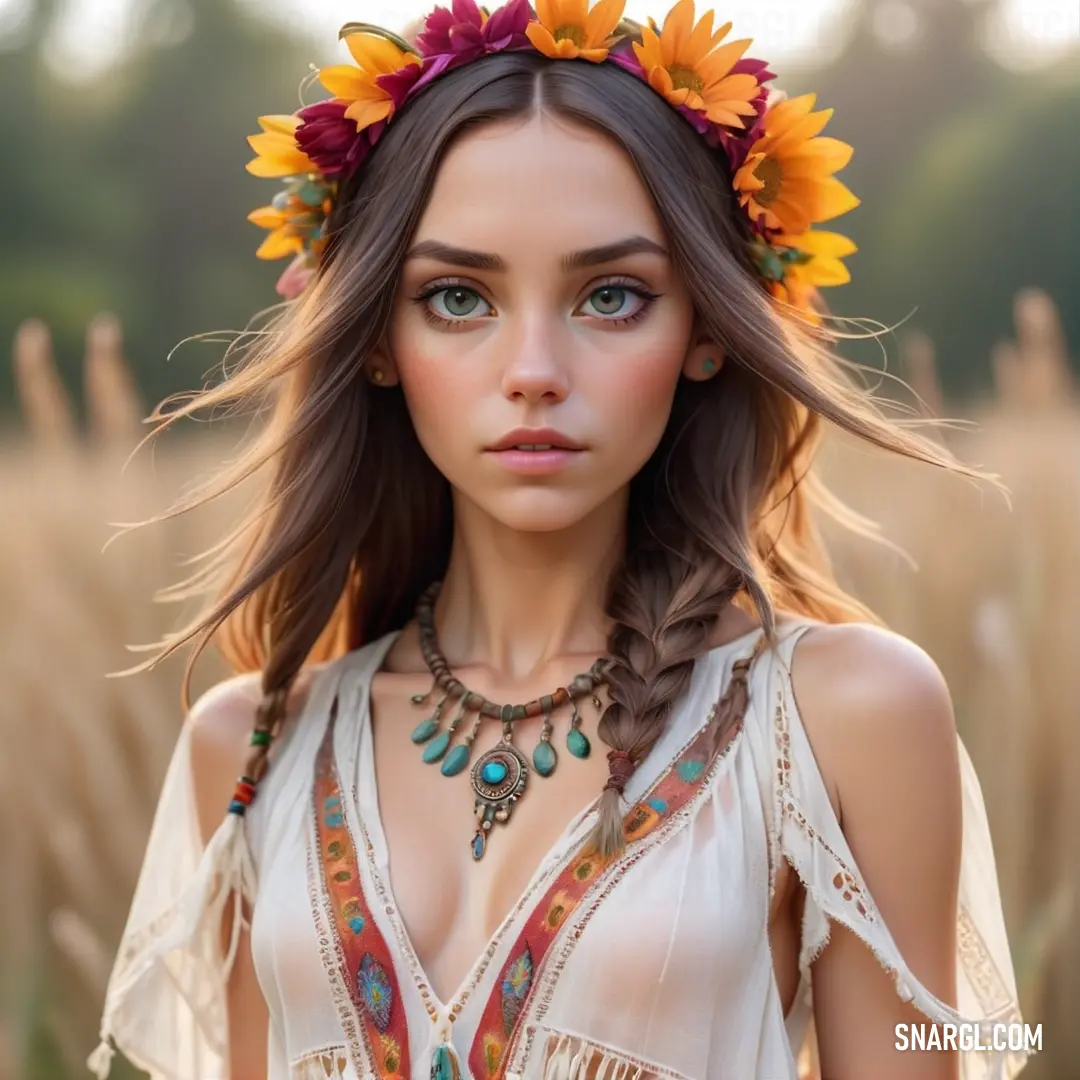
point(268, 720)
point(781, 167)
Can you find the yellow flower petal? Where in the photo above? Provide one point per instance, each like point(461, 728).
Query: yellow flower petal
point(541, 38)
point(281, 125)
point(366, 113)
point(719, 62)
point(829, 153)
point(786, 215)
point(266, 217)
point(827, 272)
point(833, 199)
point(279, 244)
point(802, 131)
point(375, 54)
point(780, 115)
point(547, 11)
point(675, 36)
point(344, 81)
point(278, 156)
point(270, 170)
point(601, 21)
point(821, 242)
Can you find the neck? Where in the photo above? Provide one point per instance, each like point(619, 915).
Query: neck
point(516, 601)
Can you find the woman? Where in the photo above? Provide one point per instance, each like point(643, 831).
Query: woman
point(545, 409)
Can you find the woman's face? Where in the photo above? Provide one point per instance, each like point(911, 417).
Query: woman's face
point(540, 327)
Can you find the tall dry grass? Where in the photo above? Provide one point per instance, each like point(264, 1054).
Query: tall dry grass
point(995, 599)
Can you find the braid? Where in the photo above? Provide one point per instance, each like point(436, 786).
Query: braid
point(269, 717)
point(664, 610)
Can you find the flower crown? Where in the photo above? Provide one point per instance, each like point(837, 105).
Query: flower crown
point(782, 167)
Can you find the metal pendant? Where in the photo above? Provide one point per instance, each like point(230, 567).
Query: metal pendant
point(498, 779)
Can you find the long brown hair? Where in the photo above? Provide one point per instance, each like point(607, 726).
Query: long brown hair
point(355, 521)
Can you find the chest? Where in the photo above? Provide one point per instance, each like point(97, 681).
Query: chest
point(451, 903)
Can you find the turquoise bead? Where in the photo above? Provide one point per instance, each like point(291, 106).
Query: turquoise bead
point(437, 747)
point(689, 770)
point(312, 194)
point(493, 772)
point(455, 761)
point(425, 729)
point(444, 1064)
point(478, 844)
point(544, 758)
point(578, 743)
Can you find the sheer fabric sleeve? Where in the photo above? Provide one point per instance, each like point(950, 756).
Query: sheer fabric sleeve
point(165, 1002)
point(812, 841)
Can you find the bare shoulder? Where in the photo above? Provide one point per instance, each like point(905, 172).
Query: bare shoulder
point(873, 702)
point(221, 721)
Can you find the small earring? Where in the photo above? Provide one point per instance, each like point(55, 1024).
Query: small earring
point(378, 375)
point(709, 366)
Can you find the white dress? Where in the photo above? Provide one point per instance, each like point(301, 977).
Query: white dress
point(559, 989)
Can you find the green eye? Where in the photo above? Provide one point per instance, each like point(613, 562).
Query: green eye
point(609, 299)
point(456, 302)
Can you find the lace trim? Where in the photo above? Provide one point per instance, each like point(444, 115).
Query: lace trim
point(329, 1063)
point(982, 973)
point(856, 907)
point(846, 881)
point(567, 1056)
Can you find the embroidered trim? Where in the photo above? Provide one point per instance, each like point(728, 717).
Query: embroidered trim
point(334, 965)
point(364, 963)
point(649, 823)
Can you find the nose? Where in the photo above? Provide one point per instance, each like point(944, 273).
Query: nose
point(535, 372)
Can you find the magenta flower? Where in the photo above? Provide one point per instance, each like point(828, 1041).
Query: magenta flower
point(460, 33)
point(330, 138)
point(399, 84)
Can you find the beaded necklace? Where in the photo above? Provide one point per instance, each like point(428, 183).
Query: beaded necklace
point(499, 775)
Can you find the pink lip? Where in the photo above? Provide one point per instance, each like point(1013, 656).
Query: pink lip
point(535, 462)
point(536, 437)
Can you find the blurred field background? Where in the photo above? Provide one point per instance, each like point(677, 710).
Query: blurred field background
point(124, 192)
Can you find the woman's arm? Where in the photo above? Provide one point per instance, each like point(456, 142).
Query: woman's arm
point(879, 717)
point(222, 722)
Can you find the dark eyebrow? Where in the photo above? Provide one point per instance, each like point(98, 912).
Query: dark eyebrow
point(576, 260)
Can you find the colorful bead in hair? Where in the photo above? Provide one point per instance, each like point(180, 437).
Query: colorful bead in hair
point(268, 719)
point(782, 169)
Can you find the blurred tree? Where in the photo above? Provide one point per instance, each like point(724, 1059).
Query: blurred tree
point(129, 193)
point(955, 220)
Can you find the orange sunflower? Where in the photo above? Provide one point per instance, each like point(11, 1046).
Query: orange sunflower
point(688, 65)
point(787, 179)
point(375, 55)
point(567, 29)
point(278, 154)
